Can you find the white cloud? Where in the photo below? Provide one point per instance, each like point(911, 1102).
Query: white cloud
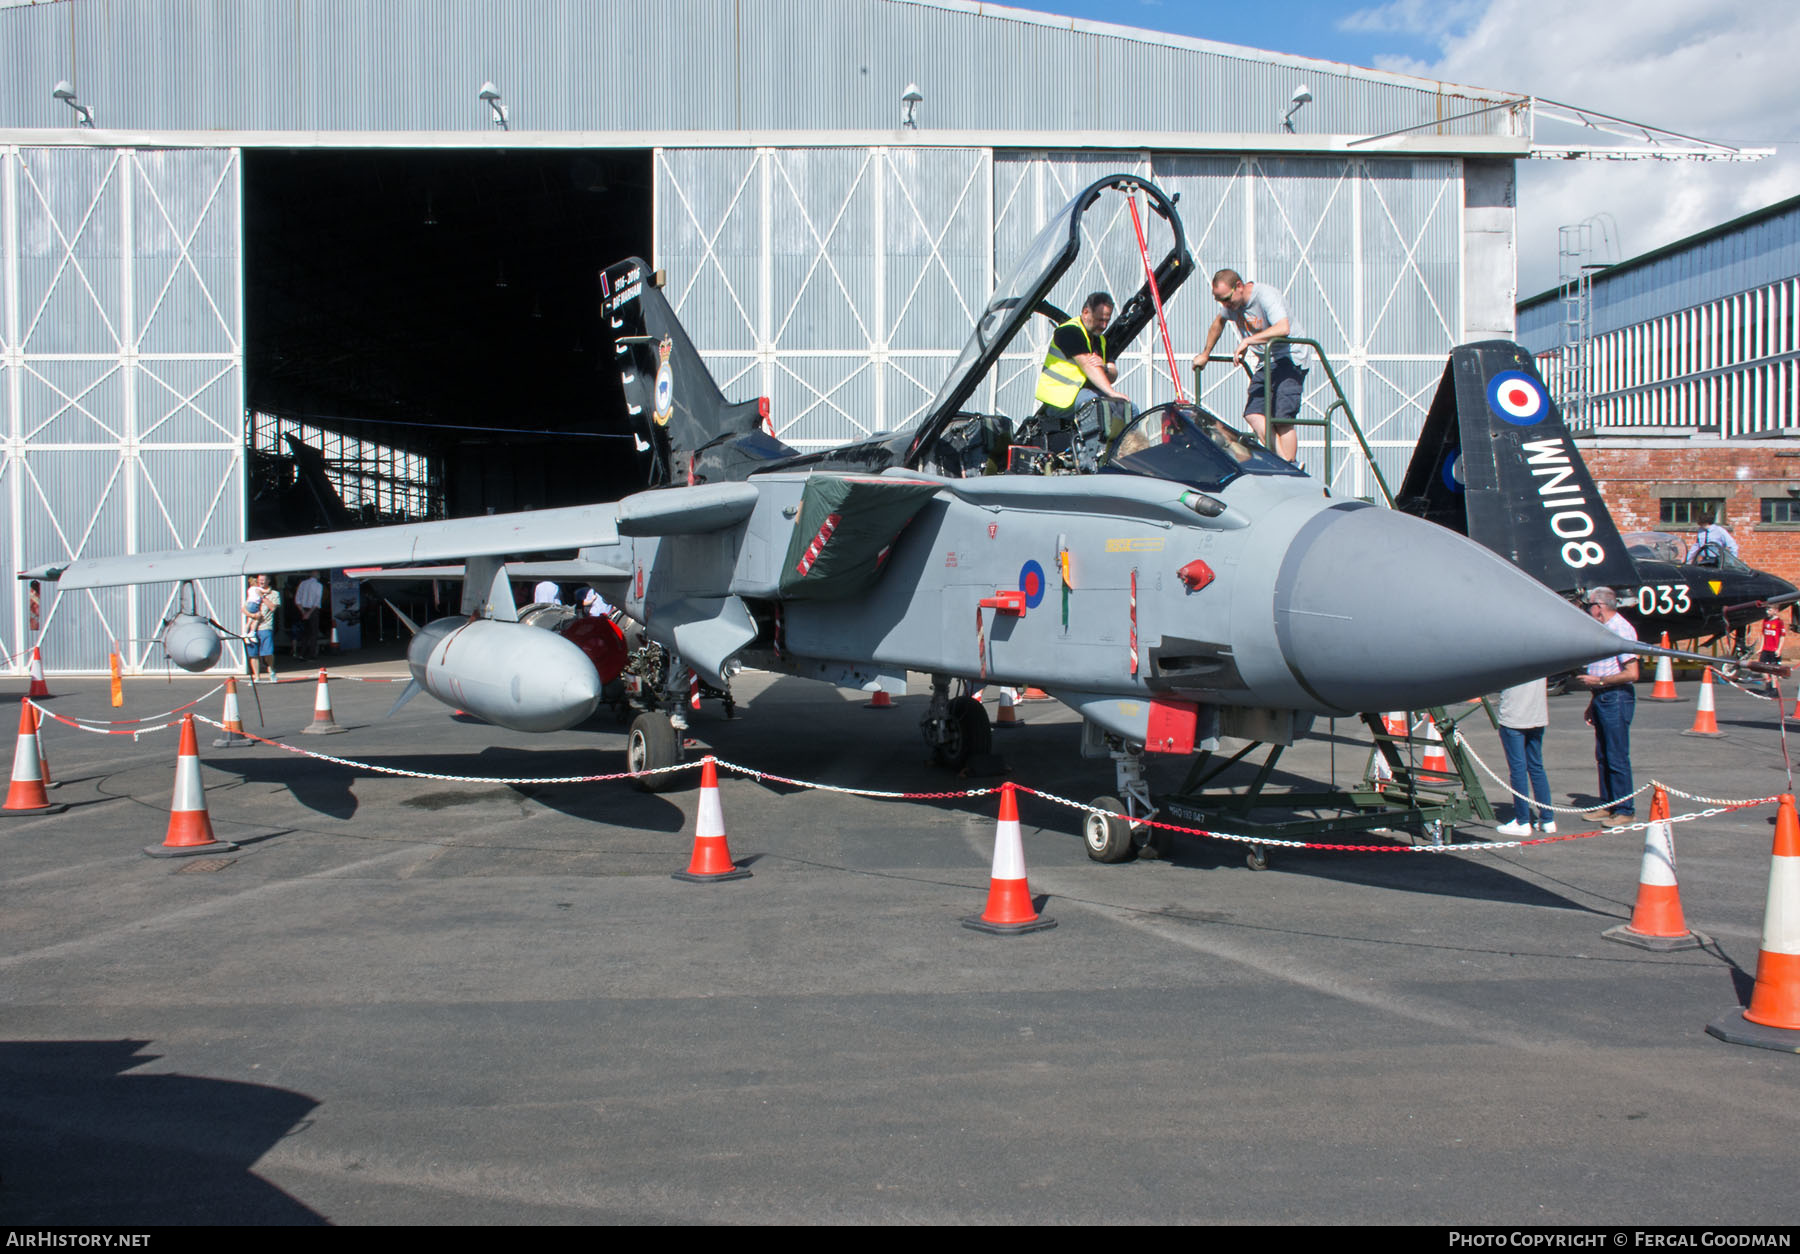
point(1719, 72)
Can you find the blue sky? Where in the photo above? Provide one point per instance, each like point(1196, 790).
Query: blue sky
point(1719, 72)
point(1308, 28)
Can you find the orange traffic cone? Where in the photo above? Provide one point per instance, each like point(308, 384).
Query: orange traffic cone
point(711, 863)
point(1394, 724)
point(38, 687)
point(1009, 910)
point(234, 737)
point(26, 795)
point(1705, 722)
point(1656, 921)
point(1009, 713)
point(323, 724)
point(118, 682)
point(1772, 1019)
point(1664, 688)
point(190, 826)
point(1034, 694)
point(879, 701)
point(1434, 761)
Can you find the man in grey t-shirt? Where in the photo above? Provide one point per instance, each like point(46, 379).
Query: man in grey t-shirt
point(1260, 314)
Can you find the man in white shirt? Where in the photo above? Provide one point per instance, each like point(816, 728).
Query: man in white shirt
point(593, 604)
point(1714, 536)
point(308, 597)
point(1611, 680)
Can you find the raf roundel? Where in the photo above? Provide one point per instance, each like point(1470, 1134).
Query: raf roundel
point(1031, 583)
point(1453, 471)
point(1518, 398)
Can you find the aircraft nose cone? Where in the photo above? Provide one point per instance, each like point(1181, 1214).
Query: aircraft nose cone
point(1377, 610)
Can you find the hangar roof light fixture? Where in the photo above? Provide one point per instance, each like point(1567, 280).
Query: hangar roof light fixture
point(909, 104)
point(64, 92)
point(491, 94)
point(1300, 97)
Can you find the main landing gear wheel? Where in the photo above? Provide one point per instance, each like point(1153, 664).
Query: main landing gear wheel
point(967, 735)
point(654, 743)
point(1107, 837)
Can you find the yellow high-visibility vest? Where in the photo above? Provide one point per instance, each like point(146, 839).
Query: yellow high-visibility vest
point(1062, 378)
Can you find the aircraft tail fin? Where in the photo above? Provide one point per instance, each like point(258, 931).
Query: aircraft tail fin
point(1496, 463)
point(672, 397)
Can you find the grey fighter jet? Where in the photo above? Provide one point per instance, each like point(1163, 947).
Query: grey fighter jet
point(1161, 573)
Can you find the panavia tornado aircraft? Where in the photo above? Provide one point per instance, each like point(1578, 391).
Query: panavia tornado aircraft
point(1495, 462)
point(1161, 573)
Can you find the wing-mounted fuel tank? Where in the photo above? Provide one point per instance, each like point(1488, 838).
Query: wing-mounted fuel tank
point(510, 674)
point(191, 642)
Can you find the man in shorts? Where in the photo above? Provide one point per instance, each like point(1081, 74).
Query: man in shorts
point(261, 600)
point(1260, 314)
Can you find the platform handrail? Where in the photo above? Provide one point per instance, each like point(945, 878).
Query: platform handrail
point(1342, 402)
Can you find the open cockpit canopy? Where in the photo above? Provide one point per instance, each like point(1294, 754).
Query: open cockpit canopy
point(1025, 292)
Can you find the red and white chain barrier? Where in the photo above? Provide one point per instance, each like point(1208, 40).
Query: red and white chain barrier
point(1716, 806)
point(122, 726)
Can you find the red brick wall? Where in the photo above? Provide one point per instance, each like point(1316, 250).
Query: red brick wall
point(1630, 480)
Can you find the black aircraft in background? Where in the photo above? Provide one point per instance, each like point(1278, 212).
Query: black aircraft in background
point(1495, 462)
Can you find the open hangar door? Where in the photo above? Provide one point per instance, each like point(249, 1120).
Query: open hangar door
point(443, 303)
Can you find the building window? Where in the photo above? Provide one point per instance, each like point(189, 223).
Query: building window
point(1781, 511)
point(1691, 511)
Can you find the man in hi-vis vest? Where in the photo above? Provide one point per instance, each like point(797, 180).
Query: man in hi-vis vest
point(1077, 366)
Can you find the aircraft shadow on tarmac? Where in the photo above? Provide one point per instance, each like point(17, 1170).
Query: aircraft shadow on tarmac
point(86, 1143)
point(329, 788)
point(1027, 749)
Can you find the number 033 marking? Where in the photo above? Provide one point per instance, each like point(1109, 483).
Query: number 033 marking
point(1663, 598)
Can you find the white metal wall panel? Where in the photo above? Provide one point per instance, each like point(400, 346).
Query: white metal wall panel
point(841, 282)
point(212, 65)
point(123, 368)
point(824, 279)
point(1029, 188)
point(1368, 253)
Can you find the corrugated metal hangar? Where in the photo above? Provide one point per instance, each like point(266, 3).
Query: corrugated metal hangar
point(376, 227)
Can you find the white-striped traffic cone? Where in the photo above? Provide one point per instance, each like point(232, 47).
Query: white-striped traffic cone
point(38, 687)
point(322, 724)
point(1009, 713)
point(1656, 920)
point(1009, 910)
point(1705, 722)
point(1434, 760)
point(234, 737)
point(190, 826)
point(25, 794)
point(1664, 687)
point(1394, 724)
point(1772, 1019)
point(711, 863)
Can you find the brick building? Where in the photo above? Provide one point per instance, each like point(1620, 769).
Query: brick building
point(1679, 373)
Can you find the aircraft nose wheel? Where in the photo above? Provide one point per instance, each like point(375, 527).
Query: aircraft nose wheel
point(653, 743)
point(1107, 837)
point(964, 734)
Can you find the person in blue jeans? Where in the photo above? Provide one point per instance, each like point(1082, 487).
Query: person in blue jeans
point(1524, 712)
point(1611, 682)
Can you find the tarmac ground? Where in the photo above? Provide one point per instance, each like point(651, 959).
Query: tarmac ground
point(408, 1000)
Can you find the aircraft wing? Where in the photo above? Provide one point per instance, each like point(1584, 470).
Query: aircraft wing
point(577, 570)
point(451, 540)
